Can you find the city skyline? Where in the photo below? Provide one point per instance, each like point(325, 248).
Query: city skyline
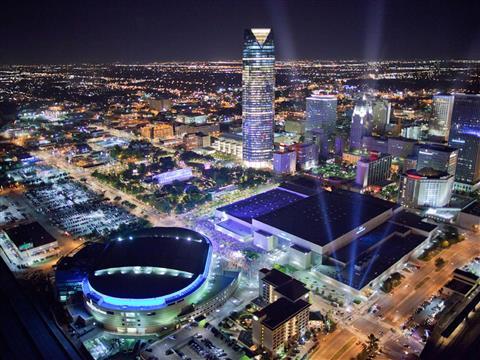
point(99, 32)
point(242, 209)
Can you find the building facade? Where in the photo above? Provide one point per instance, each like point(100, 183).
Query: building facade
point(437, 157)
point(465, 135)
point(439, 125)
point(374, 169)
point(321, 113)
point(258, 91)
point(381, 111)
point(425, 188)
point(361, 123)
point(284, 162)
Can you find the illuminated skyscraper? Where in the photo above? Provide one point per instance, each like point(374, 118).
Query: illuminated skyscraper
point(321, 114)
point(361, 122)
point(439, 125)
point(465, 135)
point(258, 82)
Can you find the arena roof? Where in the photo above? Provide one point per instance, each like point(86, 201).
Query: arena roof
point(151, 263)
point(326, 216)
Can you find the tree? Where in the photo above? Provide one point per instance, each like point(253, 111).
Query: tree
point(372, 344)
point(439, 262)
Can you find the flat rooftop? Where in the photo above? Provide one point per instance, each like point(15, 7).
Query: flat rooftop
point(326, 216)
point(372, 264)
point(357, 247)
point(24, 235)
point(260, 204)
point(412, 220)
point(459, 286)
point(281, 311)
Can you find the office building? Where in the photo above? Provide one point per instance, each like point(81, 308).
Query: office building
point(284, 162)
point(258, 95)
point(285, 317)
point(438, 157)
point(374, 169)
point(157, 132)
point(425, 188)
point(195, 141)
point(361, 122)
point(307, 155)
point(465, 135)
point(321, 114)
point(440, 122)
point(381, 111)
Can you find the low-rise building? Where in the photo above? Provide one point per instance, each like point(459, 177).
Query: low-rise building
point(284, 162)
point(27, 244)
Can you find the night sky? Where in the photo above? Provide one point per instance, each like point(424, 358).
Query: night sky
point(74, 31)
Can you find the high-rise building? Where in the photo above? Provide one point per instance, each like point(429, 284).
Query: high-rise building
point(439, 125)
point(381, 110)
point(437, 157)
point(465, 135)
point(258, 90)
point(373, 169)
point(321, 113)
point(361, 122)
point(425, 188)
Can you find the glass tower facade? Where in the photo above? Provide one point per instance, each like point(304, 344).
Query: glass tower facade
point(321, 113)
point(465, 135)
point(440, 122)
point(258, 95)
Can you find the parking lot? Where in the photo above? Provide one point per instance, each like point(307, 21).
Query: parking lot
point(194, 342)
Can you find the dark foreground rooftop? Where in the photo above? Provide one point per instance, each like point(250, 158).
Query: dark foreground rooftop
point(26, 329)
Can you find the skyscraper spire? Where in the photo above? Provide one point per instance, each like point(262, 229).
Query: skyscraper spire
point(258, 82)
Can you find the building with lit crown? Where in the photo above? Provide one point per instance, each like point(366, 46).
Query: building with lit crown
point(361, 122)
point(258, 95)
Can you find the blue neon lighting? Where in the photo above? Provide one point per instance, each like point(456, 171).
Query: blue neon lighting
point(116, 303)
